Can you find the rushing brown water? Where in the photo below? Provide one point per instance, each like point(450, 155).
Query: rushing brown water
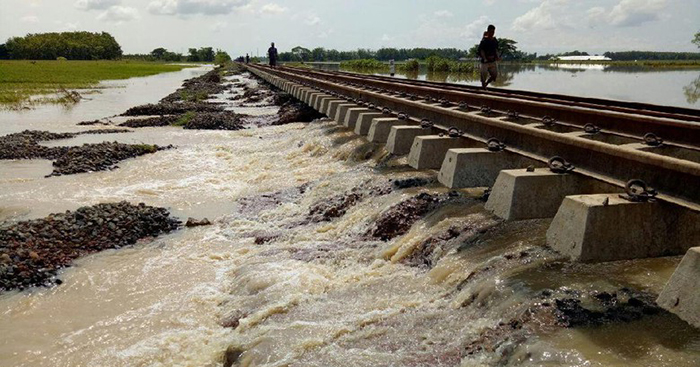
point(312, 293)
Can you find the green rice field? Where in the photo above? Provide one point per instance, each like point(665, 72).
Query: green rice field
point(21, 79)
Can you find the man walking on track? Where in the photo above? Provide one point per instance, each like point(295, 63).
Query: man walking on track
point(488, 51)
point(272, 54)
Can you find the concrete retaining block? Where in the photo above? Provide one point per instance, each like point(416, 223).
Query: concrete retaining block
point(476, 167)
point(311, 97)
point(606, 227)
point(401, 138)
point(352, 115)
point(519, 194)
point(680, 295)
point(333, 107)
point(326, 104)
point(428, 152)
point(342, 110)
point(381, 127)
point(364, 122)
point(318, 101)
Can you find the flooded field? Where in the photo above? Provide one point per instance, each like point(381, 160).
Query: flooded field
point(662, 86)
point(324, 251)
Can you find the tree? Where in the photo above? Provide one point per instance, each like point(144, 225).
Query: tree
point(318, 54)
point(574, 53)
point(71, 45)
point(696, 40)
point(158, 53)
point(4, 53)
point(206, 54)
point(507, 49)
point(193, 55)
point(221, 57)
point(301, 54)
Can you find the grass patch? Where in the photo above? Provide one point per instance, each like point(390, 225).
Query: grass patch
point(364, 64)
point(193, 97)
point(298, 65)
point(21, 79)
point(439, 64)
point(185, 118)
point(148, 148)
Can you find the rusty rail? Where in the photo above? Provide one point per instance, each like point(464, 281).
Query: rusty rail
point(678, 113)
point(671, 127)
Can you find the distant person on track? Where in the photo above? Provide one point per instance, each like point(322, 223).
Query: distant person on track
point(247, 59)
point(272, 55)
point(488, 52)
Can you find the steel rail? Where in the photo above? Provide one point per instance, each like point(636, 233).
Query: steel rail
point(677, 180)
point(678, 113)
point(672, 130)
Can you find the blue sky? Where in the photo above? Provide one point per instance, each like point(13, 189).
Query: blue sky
point(240, 26)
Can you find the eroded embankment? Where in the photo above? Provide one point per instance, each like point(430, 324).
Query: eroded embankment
point(72, 160)
point(460, 264)
point(194, 105)
point(31, 252)
point(394, 270)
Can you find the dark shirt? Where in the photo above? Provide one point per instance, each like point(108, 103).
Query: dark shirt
point(272, 53)
point(489, 46)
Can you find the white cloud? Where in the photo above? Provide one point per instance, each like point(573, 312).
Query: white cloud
point(628, 13)
point(188, 7)
point(118, 14)
point(432, 31)
point(443, 14)
point(476, 29)
point(543, 17)
point(67, 26)
point(272, 8)
point(489, 2)
point(386, 38)
point(218, 27)
point(29, 19)
point(312, 19)
point(96, 4)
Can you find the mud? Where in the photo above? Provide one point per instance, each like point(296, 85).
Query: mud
point(31, 252)
point(398, 219)
point(198, 89)
point(555, 309)
point(98, 157)
point(169, 108)
point(72, 160)
point(336, 206)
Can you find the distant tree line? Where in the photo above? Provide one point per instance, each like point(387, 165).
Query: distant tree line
point(69, 45)
point(383, 54)
point(203, 54)
point(507, 47)
point(651, 55)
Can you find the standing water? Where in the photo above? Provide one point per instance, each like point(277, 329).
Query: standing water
point(324, 251)
point(661, 86)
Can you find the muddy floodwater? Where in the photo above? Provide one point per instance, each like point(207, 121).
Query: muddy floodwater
point(662, 86)
point(323, 251)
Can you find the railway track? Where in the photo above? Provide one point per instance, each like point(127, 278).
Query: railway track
point(600, 140)
point(589, 163)
point(678, 113)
